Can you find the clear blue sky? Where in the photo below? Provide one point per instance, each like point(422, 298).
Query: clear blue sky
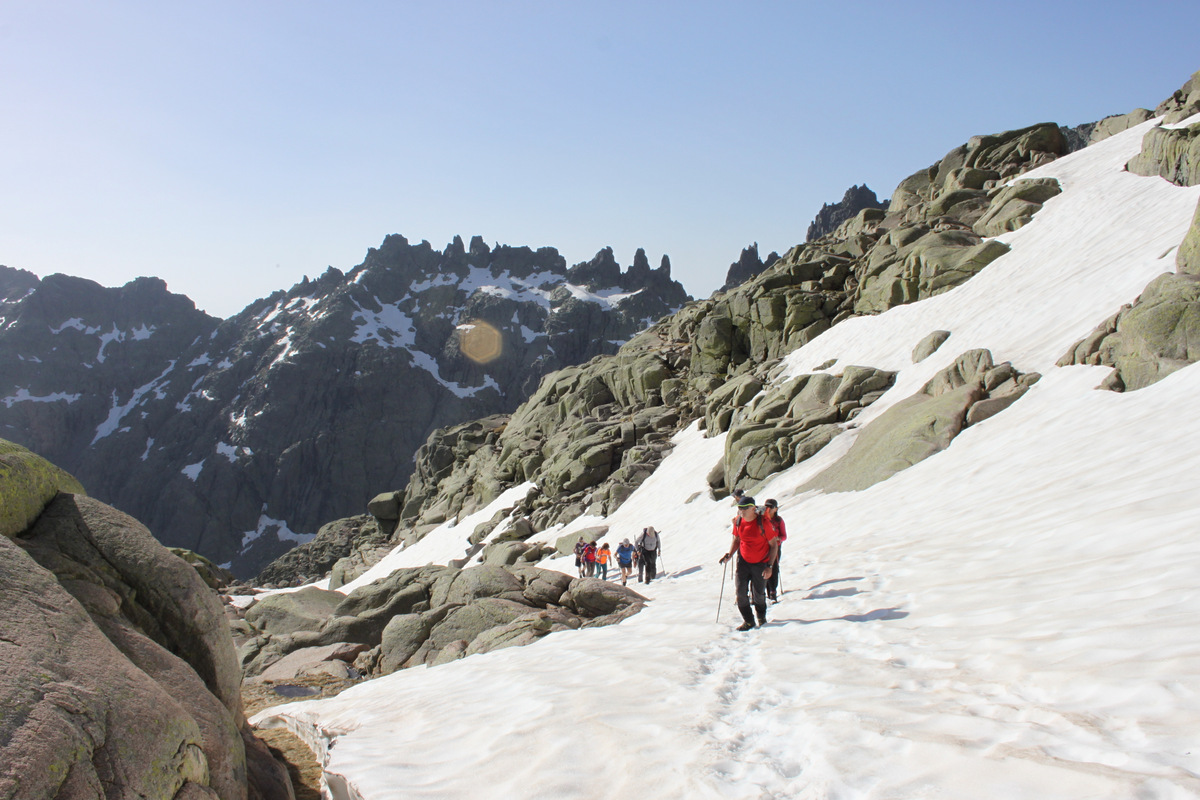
point(233, 146)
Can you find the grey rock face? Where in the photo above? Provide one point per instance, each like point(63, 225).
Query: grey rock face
point(1014, 205)
point(929, 345)
point(1170, 153)
point(120, 678)
point(852, 203)
point(924, 424)
point(793, 421)
point(433, 615)
point(225, 429)
point(289, 612)
point(1148, 340)
point(747, 266)
point(344, 546)
point(1187, 260)
point(1182, 103)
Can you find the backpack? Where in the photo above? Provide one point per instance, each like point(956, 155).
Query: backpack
point(589, 553)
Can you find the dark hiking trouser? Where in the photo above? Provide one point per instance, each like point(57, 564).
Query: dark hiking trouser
point(650, 558)
point(751, 588)
point(773, 581)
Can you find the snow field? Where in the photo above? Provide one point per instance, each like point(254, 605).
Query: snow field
point(1013, 617)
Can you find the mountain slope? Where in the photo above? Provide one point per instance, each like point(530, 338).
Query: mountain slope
point(238, 438)
point(1009, 616)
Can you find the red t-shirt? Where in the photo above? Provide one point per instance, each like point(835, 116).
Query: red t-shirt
point(754, 540)
point(778, 525)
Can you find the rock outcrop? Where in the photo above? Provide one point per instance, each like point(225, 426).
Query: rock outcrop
point(1148, 340)
point(225, 429)
point(831, 216)
point(969, 391)
point(421, 616)
point(1170, 153)
point(120, 677)
point(747, 266)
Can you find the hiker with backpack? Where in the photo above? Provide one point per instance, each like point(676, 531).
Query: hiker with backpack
point(772, 519)
point(649, 545)
point(602, 557)
point(757, 546)
point(580, 546)
point(625, 556)
point(589, 559)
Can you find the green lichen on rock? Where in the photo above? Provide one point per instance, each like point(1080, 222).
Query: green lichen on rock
point(1014, 205)
point(1170, 153)
point(1146, 341)
point(1188, 258)
point(927, 422)
point(28, 483)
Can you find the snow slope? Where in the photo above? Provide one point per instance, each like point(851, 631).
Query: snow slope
point(1013, 617)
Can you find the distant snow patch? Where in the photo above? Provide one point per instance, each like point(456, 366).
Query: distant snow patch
point(193, 470)
point(23, 396)
point(607, 298)
point(268, 524)
point(232, 452)
point(149, 444)
point(118, 411)
point(75, 323)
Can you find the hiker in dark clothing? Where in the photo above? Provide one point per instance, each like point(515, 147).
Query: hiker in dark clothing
point(757, 546)
point(649, 545)
point(772, 519)
point(579, 547)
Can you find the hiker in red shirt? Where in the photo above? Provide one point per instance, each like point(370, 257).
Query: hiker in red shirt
point(757, 546)
point(772, 519)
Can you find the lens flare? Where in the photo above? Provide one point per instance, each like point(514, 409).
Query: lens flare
point(479, 341)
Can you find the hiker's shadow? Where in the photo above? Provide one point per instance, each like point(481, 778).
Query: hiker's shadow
point(835, 580)
point(878, 615)
point(687, 571)
point(832, 593)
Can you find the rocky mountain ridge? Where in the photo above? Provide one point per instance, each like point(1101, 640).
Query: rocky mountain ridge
point(237, 438)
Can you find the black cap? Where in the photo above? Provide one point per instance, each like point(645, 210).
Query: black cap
point(746, 502)
point(771, 503)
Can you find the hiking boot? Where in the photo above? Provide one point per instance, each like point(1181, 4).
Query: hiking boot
point(745, 626)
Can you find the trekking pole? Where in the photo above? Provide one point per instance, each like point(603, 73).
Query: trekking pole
point(721, 596)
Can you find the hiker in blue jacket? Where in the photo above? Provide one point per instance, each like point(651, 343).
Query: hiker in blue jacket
point(625, 555)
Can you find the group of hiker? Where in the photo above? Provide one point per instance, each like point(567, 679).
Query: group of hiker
point(756, 540)
point(593, 559)
point(757, 536)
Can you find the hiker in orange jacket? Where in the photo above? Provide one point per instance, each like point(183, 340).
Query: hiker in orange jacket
point(602, 558)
